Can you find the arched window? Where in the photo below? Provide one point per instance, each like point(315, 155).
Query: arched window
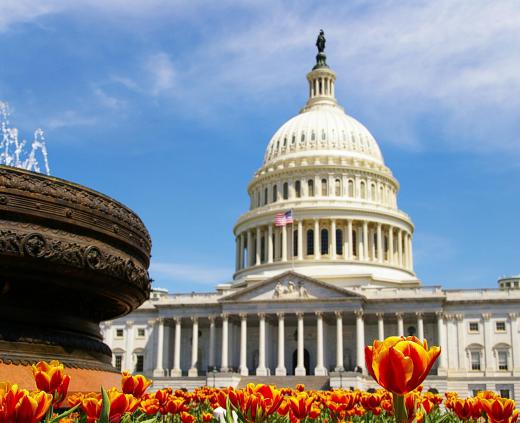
point(295, 243)
point(285, 191)
point(265, 196)
point(298, 189)
point(313, 136)
point(310, 242)
point(363, 188)
point(351, 188)
point(284, 142)
point(339, 242)
point(310, 184)
point(337, 187)
point(373, 192)
point(262, 249)
point(303, 137)
point(275, 193)
point(324, 241)
point(354, 243)
point(381, 194)
point(323, 187)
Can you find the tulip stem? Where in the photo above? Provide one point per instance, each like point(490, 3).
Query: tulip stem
point(399, 409)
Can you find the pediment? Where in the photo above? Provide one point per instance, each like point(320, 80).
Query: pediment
point(290, 286)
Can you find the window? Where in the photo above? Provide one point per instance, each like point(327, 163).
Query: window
point(285, 191)
point(473, 327)
point(502, 360)
point(354, 244)
point(339, 242)
point(310, 242)
point(324, 241)
point(139, 364)
point(475, 360)
point(337, 187)
point(505, 393)
point(119, 333)
point(310, 184)
point(265, 196)
point(275, 193)
point(295, 243)
point(500, 326)
point(351, 188)
point(476, 388)
point(363, 189)
point(323, 187)
point(298, 189)
point(140, 332)
point(262, 250)
point(118, 362)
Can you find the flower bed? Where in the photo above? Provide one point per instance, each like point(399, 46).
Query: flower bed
point(398, 364)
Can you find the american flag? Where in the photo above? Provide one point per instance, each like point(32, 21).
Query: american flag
point(282, 219)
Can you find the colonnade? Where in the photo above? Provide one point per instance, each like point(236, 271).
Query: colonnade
point(321, 239)
point(280, 319)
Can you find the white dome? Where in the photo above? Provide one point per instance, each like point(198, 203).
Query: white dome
point(323, 130)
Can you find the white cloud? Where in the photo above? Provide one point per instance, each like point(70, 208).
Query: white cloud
point(69, 118)
point(188, 273)
point(433, 248)
point(107, 100)
point(161, 73)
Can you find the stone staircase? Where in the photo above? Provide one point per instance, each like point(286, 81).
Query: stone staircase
point(310, 382)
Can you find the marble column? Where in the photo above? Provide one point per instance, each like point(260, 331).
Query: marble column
point(441, 335)
point(261, 370)
point(300, 366)
point(280, 368)
point(349, 248)
point(212, 339)
point(176, 371)
point(400, 248)
point(192, 371)
point(317, 246)
point(391, 258)
point(333, 239)
point(258, 246)
point(244, 371)
point(224, 365)
point(241, 251)
point(284, 243)
point(515, 343)
point(461, 341)
point(237, 253)
point(410, 252)
point(400, 324)
point(159, 370)
point(420, 325)
point(129, 341)
point(488, 351)
point(270, 243)
point(380, 326)
point(320, 369)
point(379, 244)
point(360, 341)
point(340, 366)
point(359, 237)
point(365, 241)
point(300, 240)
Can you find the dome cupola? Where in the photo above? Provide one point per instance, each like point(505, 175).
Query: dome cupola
point(325, 169)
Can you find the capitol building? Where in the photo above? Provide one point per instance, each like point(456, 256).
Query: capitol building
point(324, 265)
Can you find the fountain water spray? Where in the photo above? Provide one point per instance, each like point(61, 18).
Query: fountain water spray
point(14, 152)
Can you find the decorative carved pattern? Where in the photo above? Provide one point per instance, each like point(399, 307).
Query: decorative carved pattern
point(290, 290)
point(37, 186)
point(38, 246)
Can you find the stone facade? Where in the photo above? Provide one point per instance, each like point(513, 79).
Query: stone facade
point(308, 296)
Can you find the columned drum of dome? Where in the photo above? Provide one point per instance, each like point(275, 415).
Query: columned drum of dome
point(327, 168)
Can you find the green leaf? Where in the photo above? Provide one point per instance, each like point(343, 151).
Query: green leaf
point(64, 414)
point(105, 408)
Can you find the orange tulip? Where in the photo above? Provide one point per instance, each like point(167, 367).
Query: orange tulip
point(50, 377)
point(32, 407)
point(91, 406)
point(207, 417)
point(135, 385)
point(301, 405)
point(187, 417)
point(400, 364)
point(499, 410)
point(150, 406)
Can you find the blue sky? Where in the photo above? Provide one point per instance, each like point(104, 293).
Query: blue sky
point(168, 107)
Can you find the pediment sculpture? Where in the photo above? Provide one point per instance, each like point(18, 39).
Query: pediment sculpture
point(290, 290)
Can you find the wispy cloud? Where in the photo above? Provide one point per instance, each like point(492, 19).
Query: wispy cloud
point(432, 248)
point(177, 273)
point(69, 118)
